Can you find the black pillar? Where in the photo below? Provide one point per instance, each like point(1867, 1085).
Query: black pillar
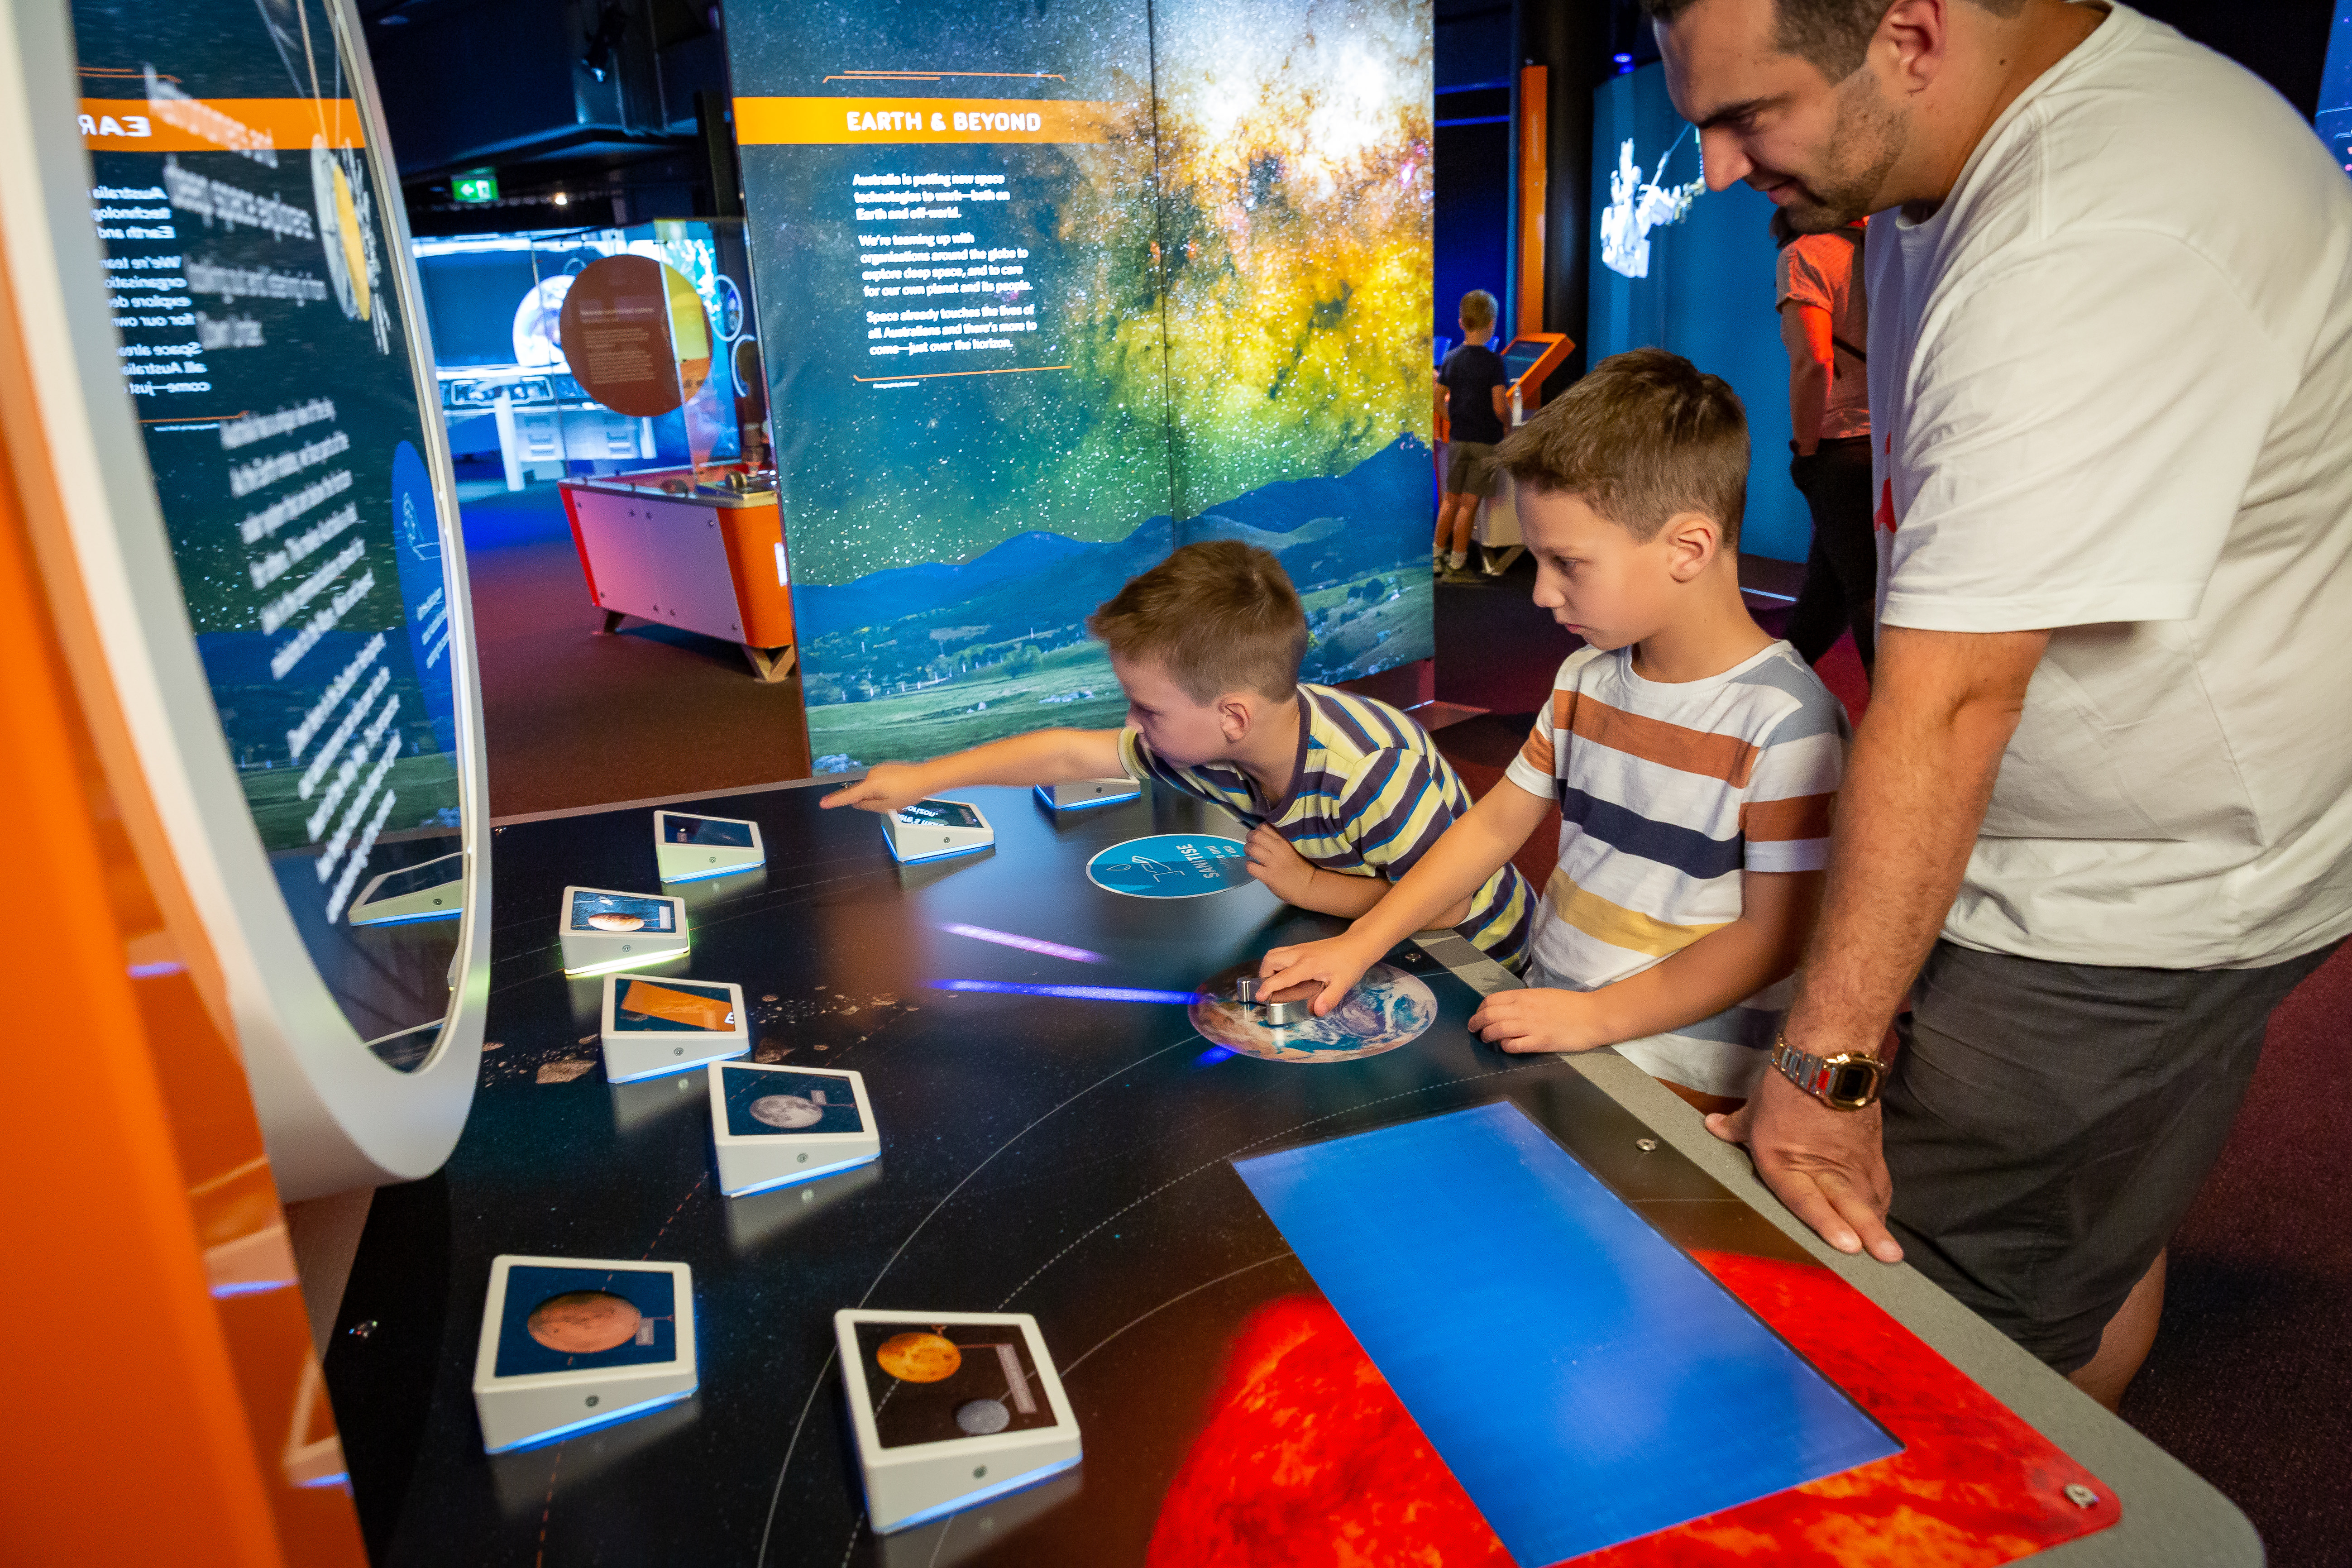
point(1571, 40)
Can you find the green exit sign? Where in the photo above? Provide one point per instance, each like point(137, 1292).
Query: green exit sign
point(481, 187)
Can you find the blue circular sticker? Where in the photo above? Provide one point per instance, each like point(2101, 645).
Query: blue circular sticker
point(1170, 865)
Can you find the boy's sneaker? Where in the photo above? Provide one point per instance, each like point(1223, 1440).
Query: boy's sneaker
point(1457, 563)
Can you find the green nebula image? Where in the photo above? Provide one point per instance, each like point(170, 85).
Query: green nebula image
point(1208, 323)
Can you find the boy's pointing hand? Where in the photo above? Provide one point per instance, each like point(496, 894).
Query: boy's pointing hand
point(888, 787)
point(1337, 963)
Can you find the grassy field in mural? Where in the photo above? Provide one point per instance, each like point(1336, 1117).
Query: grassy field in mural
point(1353, 624)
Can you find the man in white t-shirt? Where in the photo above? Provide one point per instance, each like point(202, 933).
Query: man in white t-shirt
point(2100, 809)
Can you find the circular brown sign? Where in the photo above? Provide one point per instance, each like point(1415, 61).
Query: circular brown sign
point(635, 336)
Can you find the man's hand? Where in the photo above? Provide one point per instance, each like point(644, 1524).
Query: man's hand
point(1826, 1166)
point(890, 786)
point(1538, 1019)
point(1285, 872)
point(1337, 963)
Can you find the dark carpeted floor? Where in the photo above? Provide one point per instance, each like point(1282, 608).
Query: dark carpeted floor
point(573, 719)
point(2251, 1380)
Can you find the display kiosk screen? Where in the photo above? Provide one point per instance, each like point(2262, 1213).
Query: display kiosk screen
point(616, 912)
point(714, 831)
point(943, 814)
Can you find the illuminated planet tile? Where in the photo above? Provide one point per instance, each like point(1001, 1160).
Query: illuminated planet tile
point(982, 1418)
point(787, 1111)
point(609, 922)
point(919, 1357)
point(582, 1322)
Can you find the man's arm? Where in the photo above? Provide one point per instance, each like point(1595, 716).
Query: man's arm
point(1455, 868)
point(1719, 970)
point(1042, 756)
point(1942, 708)
point(1805, 333)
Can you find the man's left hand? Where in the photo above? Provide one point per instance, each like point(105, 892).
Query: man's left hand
point(1284, 871)
point(1537, 1020)
point(1829, 1166)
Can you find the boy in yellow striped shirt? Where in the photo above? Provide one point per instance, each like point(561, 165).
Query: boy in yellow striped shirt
point(1691, 759)
point(1342, 794)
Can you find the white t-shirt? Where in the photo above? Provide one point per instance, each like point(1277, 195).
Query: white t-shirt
point(2112, 383)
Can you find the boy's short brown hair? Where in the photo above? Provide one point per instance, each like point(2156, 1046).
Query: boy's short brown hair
point(1644, 436)
point(1478, 308)
point(1220, 616)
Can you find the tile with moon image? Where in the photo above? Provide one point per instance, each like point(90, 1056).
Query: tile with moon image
point(688, 846)
point(653, 1026)
point(950, 1409)
point(776, 1125)
point(599, 930)
point(568, 1344)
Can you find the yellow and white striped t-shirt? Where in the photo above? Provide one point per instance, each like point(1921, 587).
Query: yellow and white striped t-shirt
point(1666, 793)
point(1368, 797)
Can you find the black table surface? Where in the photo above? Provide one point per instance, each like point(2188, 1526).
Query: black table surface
point(1062, 1157)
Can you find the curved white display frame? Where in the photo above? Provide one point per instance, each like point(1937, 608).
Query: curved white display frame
point(334, 1116)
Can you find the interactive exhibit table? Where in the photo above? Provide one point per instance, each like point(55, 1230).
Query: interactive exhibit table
point(1199, 1286)
point(702, 550)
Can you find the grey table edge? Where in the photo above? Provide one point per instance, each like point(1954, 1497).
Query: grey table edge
point(2172, 1515)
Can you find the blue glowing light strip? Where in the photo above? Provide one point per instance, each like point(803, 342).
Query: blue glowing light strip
point(1026, 944)
point(1078, 992)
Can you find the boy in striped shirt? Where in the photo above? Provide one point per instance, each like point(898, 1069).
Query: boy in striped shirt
point(1691, 759)
point(1342, 794)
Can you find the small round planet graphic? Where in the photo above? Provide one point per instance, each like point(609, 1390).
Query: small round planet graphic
point(582, 1322)
point(919, 1357)
point(982, 1418)
point(610, 921)
point(788, 1111)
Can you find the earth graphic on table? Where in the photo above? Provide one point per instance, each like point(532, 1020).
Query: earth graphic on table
point(1388, 1008)
point(582, 1322)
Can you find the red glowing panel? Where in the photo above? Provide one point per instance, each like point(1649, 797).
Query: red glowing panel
point(1308, 1460)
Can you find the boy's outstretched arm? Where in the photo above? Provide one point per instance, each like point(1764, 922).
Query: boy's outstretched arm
point(1456, 865)
point(1042, 756)
point(1719, 970)
point(1295, 879)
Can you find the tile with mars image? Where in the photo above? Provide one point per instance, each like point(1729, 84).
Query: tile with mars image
point(619, 912)
point(934, 1382)
point(572, 1319)
point(763, 1104)
point(672, 1006)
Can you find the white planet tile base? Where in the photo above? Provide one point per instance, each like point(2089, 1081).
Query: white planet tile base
point(593, 928)
point(1077, 795)
point(776, 1125)
point(432, 890)
point(950, 1409)
point(931, 828)
point(688, 846)
point(654, 1026)
point(568, 1343)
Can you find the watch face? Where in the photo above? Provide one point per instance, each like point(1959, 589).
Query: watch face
point(1854, 1083)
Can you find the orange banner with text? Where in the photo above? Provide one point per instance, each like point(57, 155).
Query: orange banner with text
point(218, 124)
point(801, 122)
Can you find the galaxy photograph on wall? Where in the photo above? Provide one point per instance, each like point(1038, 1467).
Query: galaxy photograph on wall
point(1220, 288)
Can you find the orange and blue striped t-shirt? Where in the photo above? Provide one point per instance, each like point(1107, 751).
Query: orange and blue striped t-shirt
point(1667, 792)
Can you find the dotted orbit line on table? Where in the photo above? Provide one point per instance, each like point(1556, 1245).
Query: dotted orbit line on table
point(857, 1529)
point(1227, 1159)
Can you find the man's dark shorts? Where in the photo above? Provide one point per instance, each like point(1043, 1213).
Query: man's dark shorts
point(2048, 1124)
point(1470, 468)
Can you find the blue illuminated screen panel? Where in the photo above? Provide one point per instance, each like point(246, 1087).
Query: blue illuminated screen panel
point(1585, 1381)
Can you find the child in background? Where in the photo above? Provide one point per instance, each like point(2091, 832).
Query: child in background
point(1691, 759)
point(1342, 794)
point(1473, 381)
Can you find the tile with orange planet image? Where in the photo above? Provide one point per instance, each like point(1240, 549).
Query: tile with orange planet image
point(774, 1126)
point(653, 1026)
point(568, 1343)
point(601, 930)
point(1307, 1458)
point(950, 1409)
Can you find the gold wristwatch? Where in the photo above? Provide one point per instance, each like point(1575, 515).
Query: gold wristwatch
point(1848, 1081)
